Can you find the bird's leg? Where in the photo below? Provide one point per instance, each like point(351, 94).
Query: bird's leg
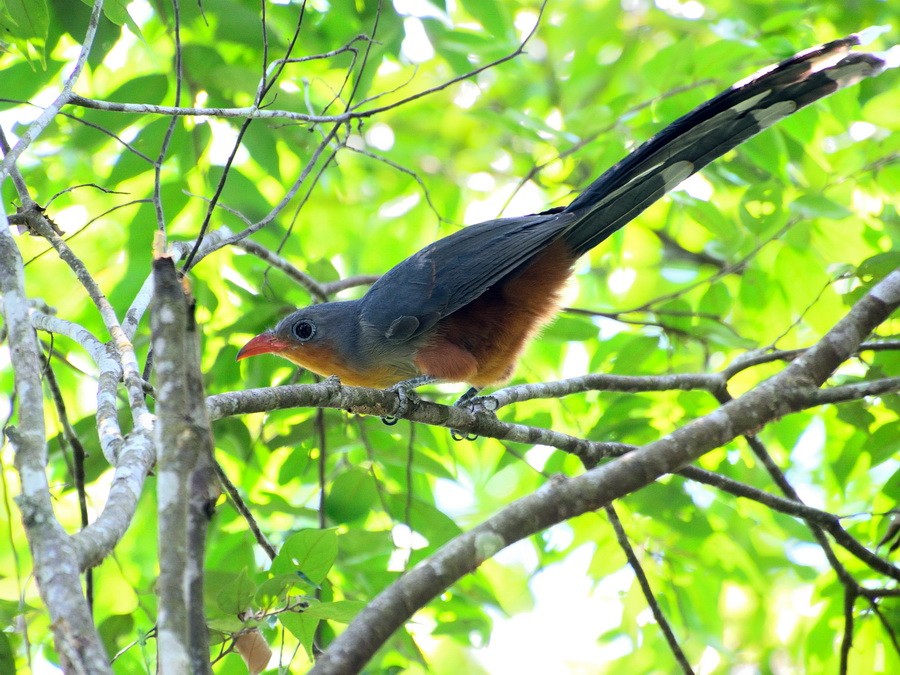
point(405, 391)
point(467, 398)
point(465, 401)
point(414, 382)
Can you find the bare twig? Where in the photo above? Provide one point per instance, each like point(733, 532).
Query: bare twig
point(261, 94)
point(241, 507)
point(644, 583)
point(65, 96)
point(827, 521)
point(847, 641)
point(170, 128)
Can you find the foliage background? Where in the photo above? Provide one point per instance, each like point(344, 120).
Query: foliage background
point(800, 219)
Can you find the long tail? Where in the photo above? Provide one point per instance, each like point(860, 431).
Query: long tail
point(722, 123)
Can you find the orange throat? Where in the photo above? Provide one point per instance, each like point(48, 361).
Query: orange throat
point(322, 360)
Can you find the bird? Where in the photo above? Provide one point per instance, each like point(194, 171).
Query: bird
point(464, 308)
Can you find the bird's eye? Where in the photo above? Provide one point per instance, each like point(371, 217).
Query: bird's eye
point(304, 330)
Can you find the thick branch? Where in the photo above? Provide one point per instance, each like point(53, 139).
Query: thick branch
point(331, 394)
point(55, 563)
point(186, 478)
point(565, 498)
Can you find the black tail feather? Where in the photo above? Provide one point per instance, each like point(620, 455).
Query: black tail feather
point(709, 131)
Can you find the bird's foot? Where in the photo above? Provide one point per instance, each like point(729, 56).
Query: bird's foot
point(474, 403)
point(405, 391)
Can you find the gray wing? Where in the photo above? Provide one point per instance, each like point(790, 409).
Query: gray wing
point(453, 271)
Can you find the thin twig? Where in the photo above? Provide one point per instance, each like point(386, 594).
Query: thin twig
point(847, 640)
point(644, 583)
point(65, 96)
point(241, 507)
point(220, 186)
point(78, 458)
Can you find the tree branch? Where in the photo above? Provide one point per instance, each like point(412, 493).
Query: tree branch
point(827, 521)
point(331, 394)
point(64, 97)
point(644, 583)
point(54, 555)
point(186, 483)
point(564, 498)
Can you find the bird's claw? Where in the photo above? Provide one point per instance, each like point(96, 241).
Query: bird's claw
point(405, 395)
point(487, 404)
point(473, 403)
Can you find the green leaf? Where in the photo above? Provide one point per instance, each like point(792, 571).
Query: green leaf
point(351, 496)
point(10, 609)
point(676, 314)
point(879, 265)
point(115, 632)
point(891, 487)
point(302, 627)
point(881, 109)
point(7, 658)
point(117, 12)
point(342, 611)
point(273, 591)
point(570, 328)
point(716, 300)
point(634, 352)
point(817, 206)
point(884, 443)
point(307, 552)
point(778, 20)
point(236, 595)
point(25, 23)
point(491, 14)
point(26, 20)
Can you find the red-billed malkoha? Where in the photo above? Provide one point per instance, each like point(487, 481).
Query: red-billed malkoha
point(463, 308)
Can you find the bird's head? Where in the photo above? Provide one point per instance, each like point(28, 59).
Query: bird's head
point(314, 337)
point(327, 340)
